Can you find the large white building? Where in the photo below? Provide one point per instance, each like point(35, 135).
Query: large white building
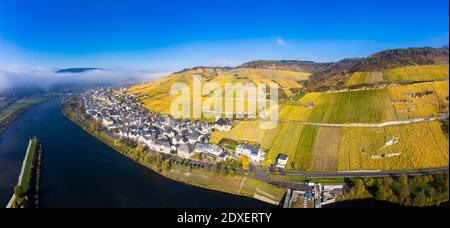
point(208, 149)
point(255, 154)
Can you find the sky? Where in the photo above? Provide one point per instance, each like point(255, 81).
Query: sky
point(168, 35)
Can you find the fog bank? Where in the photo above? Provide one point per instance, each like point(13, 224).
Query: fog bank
point(11, 78)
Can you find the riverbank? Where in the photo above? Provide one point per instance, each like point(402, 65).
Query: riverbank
point(9, 114)
point(181, 170)
point(26, 192)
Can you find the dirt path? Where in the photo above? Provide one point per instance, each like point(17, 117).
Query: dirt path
point(384, 124)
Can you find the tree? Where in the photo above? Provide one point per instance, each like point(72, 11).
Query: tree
point(245, 162)
point(167, 165)
point(384, 193)
point(19, 191)
point(369, 182)
point(359, 190)
point(139, 149)
point(404, 193)
point(403, 179)
point(158, 163)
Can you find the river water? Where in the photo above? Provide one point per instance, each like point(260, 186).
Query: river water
point(80, 171)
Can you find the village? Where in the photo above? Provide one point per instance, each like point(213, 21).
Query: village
point(123, 115)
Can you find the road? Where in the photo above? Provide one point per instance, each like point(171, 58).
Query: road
point(264, 175)
point(343, 174)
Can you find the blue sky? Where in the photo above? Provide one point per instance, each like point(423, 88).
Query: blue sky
point(168, 35)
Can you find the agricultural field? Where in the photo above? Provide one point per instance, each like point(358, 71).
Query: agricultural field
point(414, 146)
point(367, 106)
point(247, 131)
point(303, 158)
point(417, 73)
point(326, 149)
point(286, 142)
point(375, 77)
point(420, 100)
point(359, 78)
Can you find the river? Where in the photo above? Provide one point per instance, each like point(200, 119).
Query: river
point(80, 171)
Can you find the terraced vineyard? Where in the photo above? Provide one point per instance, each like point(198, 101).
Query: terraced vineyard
point(158, 96)
point(420, 100)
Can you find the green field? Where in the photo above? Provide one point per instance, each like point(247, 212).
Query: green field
point(28, 163)
point(417, 73)
point(302, 159)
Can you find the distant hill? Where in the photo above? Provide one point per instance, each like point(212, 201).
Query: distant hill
point(340, 71)
point(336, 73)
point(77, 70)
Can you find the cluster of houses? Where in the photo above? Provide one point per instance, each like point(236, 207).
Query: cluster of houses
point(122, 114)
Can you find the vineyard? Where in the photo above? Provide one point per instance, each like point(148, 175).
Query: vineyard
point(367, 106)
point(157, 93)
point(286, 141)
point(247, 131)
point(420, 100)
point(417, 73)
point(314, 148)
point(359, 78)
point(414, 146)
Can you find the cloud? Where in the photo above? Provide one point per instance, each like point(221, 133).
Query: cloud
point(280, 41)
point(46, 78)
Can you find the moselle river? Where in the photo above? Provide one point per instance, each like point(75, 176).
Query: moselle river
point(80, 171)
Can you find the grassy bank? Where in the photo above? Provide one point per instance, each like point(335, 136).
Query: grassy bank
point(215, 178)
point(26, 170)
point(13, 111)
point(27, 189)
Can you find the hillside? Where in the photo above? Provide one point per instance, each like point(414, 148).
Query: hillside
point(289, 65)
point(336, 74)
point(76, 70)
point(158, 96)
point(337, 130)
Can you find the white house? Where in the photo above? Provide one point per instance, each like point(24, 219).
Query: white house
point(282, 161)
point(208, 149)
point(255, 154)
point(107, 122)
point(222, 125)
point(184, 151)
point(163, 147)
